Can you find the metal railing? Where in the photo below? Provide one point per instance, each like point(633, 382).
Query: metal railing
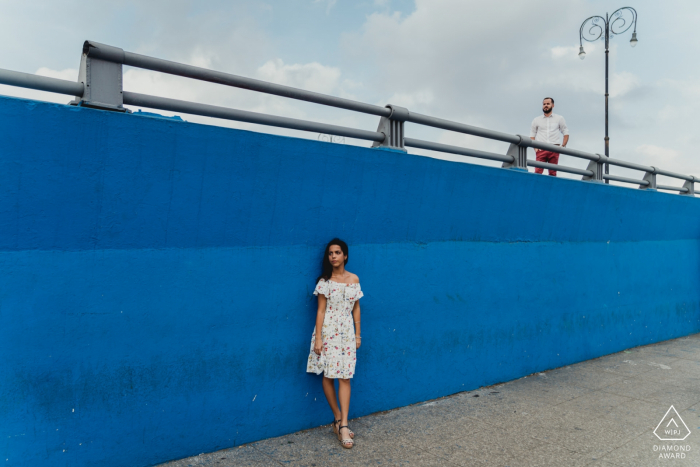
point(100, 86)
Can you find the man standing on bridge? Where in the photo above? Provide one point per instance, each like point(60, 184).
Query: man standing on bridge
point(547, 129)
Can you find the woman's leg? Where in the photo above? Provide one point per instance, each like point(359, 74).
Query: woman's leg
point(329, 391)
point(344, 396)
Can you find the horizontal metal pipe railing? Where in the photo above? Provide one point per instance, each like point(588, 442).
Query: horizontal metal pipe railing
point(561, 150)
point(461, 128)
point(617, 178)
point(418, 143)
point(690, 178)
point(206, 110)
point(40, 83)
point(672, 188)
point(227, 79)
point(630, 165)
point(559, 168)
point(71, 88)
point(117, 55)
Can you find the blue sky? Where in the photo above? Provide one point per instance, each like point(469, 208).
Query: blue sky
point(482, 63)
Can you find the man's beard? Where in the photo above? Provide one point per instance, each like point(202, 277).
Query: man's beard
point(546, 111)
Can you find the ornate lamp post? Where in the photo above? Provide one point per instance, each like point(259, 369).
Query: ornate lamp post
point(598, 27)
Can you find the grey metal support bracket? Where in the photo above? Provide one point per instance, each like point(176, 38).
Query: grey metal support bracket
point(690, 185)
point(392, 127)
point(102, 78)
point(519, 154)
point(597, 168)
point(651, 178)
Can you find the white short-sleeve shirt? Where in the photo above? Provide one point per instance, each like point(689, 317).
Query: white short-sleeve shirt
point(549, 129)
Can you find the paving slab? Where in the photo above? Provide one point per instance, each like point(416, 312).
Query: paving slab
point(586, 375)
point(246, 456)
point(684, 373)
point(598, 413)
point(630, 387)
point(594, 404)
point(645, 451)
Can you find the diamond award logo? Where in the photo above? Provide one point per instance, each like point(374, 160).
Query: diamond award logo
point(672, 427)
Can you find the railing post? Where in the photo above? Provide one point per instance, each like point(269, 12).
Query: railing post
point(519, 154)
point(690, 185)
point(102, 78)
point(392, 127)
point(651, 178)
point(597, 168)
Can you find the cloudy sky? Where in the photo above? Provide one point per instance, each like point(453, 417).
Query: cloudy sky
point(483, 63)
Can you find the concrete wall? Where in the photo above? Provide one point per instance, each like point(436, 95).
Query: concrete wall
point(156, 302)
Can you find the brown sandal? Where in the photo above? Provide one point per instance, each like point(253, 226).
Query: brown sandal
point(347, 443)
point(336, 424)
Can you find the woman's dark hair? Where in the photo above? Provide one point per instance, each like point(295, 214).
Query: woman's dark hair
point(326, 267)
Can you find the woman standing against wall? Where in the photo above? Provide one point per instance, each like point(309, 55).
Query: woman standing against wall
point(333, 349)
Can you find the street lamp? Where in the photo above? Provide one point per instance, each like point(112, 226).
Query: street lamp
point(604, 28)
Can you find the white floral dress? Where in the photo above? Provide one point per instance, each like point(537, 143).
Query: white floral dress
point(337, 359)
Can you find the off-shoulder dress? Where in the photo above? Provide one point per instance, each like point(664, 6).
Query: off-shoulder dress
point(337, 359)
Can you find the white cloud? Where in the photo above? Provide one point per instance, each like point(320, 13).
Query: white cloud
point(415, 100)
point(311, 76)
point(622, 83)
point(160, 84)
point(583, 76)
point(657, 153)
point(203, 58)
point(329, 4)
point(563, 52)
point(69, 74)
point(689, 88)
point(454, 49)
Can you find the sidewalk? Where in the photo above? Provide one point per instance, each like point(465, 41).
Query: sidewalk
point(598, 413)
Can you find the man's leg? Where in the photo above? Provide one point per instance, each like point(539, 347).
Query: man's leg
point(541, 156)
point(553, 159)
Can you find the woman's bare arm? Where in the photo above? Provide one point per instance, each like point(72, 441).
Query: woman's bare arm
point(356, 318)
point(320, 316)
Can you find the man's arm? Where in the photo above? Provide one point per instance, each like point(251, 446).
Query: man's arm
point(564, 131)
point(533, 128)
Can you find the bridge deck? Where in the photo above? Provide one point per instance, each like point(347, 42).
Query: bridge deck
point(598, 413)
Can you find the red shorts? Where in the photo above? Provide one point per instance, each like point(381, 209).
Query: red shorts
point(546, 156)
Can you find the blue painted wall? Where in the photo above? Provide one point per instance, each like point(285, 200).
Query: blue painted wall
point(156, 302)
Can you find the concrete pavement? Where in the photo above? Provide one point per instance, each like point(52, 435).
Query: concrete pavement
point(598, 413)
